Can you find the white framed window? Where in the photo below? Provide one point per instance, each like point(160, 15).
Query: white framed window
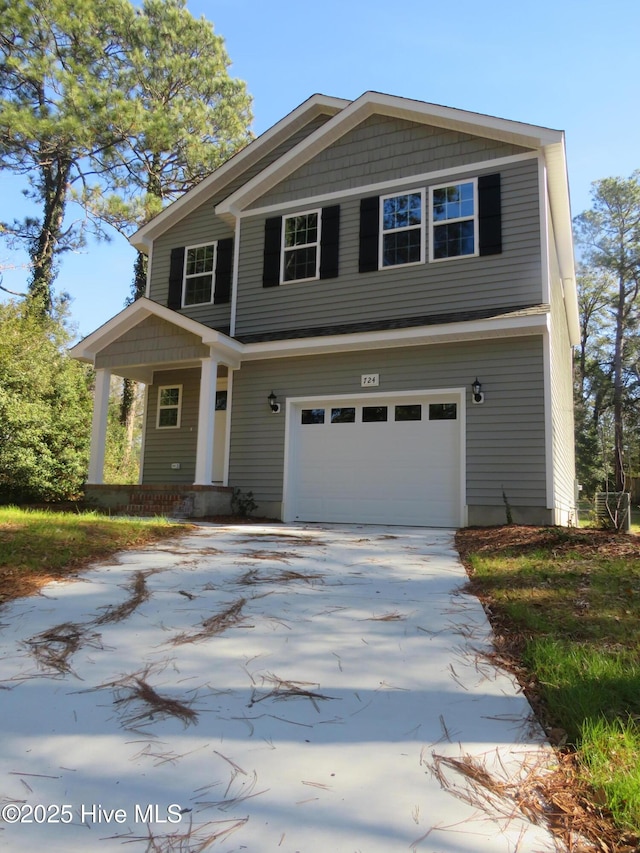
point(454, 220)
point(169, 407)
point(199, 267)
point(300, 247)
point(402, 229)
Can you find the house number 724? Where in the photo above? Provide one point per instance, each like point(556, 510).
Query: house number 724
point(369, 379)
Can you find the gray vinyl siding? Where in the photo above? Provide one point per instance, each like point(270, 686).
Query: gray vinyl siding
point(384, 148)
point(461, 284)
point(152, 341)
point(164, 446)
point(505, 435)
point(564, 471)
point(202, 226)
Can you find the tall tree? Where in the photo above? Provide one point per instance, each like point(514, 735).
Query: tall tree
point(609, 234)
point(192, 117)
point(60, 106)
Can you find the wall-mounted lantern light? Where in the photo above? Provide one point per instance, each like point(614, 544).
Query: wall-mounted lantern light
point(476, 388)
point(274, 405)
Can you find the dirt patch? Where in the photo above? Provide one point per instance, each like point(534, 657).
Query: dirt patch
point(519, 540)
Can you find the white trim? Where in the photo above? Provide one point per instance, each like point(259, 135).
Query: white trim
point(421, 228)
point(161, 408)
point(531, 324)
point(372, 103)
point(227, 431)
point(214, 261)
point(399, 184)
point(304, 113)
point(284, 249)
point(147, 289)
point(545, 222)
point(99, 426)
point(206, 422)
point(295, 403)
point(234, 278)
point(547, 367)
point(228, 349)
point(145, 409)
point(433, 224)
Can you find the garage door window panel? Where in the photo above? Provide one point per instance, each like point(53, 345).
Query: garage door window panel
point(374, 414)
point(411, 412)
point(344, 415)
point(443, 411)
point(312, 416)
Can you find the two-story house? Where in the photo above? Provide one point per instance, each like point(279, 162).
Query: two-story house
point(367, 315)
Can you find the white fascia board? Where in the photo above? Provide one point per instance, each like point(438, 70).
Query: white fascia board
point(371, 103)
point(267, 141)
point(138, 311)
point(560, 205)
point(506, 327)
point(381, 187)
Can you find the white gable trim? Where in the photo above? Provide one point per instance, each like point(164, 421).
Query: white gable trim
point(89, 347)
point(270, 139)
point(395, 183)
point(375, 103)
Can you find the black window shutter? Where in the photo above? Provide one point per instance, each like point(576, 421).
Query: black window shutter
point(224, 265)
point(369, 227)
point(330, 242)
point(176, 272)
point(272, 238)
point(489, 215)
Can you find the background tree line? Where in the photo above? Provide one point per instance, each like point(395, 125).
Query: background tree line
point(607, 388)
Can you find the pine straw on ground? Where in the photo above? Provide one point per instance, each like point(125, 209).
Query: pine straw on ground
point(216, 624)
point(560, 800)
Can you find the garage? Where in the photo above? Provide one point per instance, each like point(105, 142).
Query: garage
point(393, 459)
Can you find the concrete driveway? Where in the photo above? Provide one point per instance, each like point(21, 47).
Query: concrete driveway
point(262, 688)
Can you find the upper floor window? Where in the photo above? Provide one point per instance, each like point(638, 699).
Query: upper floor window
point(401, 226)
point(454, 223)
point(300, 246)
point(200, 274)
point(169, 406)
point(199, 266)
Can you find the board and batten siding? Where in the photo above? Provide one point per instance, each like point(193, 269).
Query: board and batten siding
point(384, 148)
point(561, 354)
point(152, 341)
point(162, 447)
point(461, 284)
point(505, 435)
point(202, 226)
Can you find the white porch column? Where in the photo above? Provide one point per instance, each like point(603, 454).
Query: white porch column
point(206, 422)
point(99, 426)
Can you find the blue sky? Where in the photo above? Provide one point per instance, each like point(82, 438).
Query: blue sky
point(568, 64)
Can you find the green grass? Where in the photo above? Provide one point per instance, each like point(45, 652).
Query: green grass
point(36, 545)
point(571, 603)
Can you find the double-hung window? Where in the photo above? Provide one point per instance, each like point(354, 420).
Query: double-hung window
point(454, 220)
point(169, 406)
point(199, 270)
point(402, 229)
point(301, 246)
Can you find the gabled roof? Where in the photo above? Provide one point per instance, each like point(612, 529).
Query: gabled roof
point(315, 106)
point(134, 314)
point(375, 103)
point(346, 115)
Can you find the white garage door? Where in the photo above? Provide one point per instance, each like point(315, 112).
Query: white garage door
point(388, 460)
